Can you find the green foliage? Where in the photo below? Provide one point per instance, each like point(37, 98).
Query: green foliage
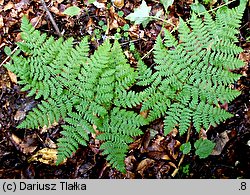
point(140, 14)
point(79, 89)
point(192, 75)
point(167, 4)
point(203, 147)
point(185, 148)
point(191, 78)
point(72, 11)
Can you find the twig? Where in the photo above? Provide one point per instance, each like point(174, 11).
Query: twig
point(183, 155)
point(8, 57)
point(51, 18)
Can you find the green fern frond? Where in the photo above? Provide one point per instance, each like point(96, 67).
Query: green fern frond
point(193, 71)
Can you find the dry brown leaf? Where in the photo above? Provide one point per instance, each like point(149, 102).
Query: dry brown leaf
point(8, 6)
point(21, 5)
point(19, 115)
point(12, 76)
point(118, 3)
point(165, 157)
point(129, 162)
point(220, 141)
point(54, 10)
point(1, 21)
point(144, 164)
point(172, 165)
point(18, 37)
point(174, 132)
point(16, 139)
point(46, 156)
point(130, 175)
point(50, 143)
point(27, 149)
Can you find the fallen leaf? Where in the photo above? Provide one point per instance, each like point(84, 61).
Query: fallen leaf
point(9, 5)
point(22, 5)
point(12, 76)
point(55, 10)
point(16, 139)
point(220, 143)
point(140, 14)
point(129, 162)
point(1, 21)
point(50, 143)
point(167, 4)
point(72, 11)
point(46, 156)
point(19, 115)
point(172, 165)
point(144, 164)
point(99, 5)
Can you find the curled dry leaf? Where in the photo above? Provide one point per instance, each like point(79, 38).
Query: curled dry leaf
point(46, 156)
point(143, 165)
point(1, 21)
point(8, 6)
point(20, 115)
point(220, 141)
point(27, 145)
point(50, 143)
point(12, 76)
point(118, 3)
point(129, 162)
point(16, 139)
point(158, 155)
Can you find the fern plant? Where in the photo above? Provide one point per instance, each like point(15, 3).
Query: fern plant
point(192, 75)
point(92, 93)
point(78, 88)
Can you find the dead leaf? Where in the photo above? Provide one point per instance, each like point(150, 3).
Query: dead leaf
point(118, 3)
point(50, 143)
point(172, 165)
point(16, 139)
point(22, 5)
point(220, 142)
point(54, 10)
point(27, 149)
point(165, 157)
point(129, 162)
point(12, 76)
point(130, 175)
point(144, 164)
point(9, 6)
point(46, 156)
point(19, 115)
point(174, 132)
point(1, 21)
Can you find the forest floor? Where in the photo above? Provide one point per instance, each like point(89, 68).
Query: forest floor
point(28, 154)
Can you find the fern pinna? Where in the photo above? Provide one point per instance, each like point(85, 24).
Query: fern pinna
point(78, 88)
point(192, 73)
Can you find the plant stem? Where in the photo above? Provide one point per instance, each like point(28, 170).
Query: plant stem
point(183, 155)
point(51, 18)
